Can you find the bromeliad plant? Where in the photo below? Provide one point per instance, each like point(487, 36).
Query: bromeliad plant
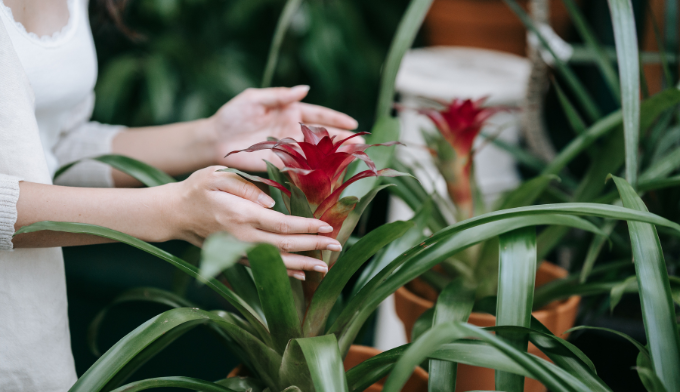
point(459, 123)
point(311, 184)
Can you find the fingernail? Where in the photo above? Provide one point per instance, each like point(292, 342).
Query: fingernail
point(299, 275)
point(265, 200)
point(326, 229)
point(302, 87)
point(334, 247)
point(321, 268)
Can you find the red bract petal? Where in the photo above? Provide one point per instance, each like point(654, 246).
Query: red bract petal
point(258, 179)
point(315, 185)
point(367, 160)
point(336, 214)
point(290, 157)
point(314, 155)
point(256, 147)
point(326, 145)
point(438, 120)
point(333, 198)
point(339, 143)
point(313, 134)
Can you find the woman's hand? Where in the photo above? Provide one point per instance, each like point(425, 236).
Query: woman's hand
point(256, 114)
point(210, 201)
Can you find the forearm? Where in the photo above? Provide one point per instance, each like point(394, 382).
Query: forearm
point(137, 212)
point(176, 148)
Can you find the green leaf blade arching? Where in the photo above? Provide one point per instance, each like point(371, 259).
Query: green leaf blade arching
point(146, 174)
point(193, 384)
point(658, 310)
point(453, 304)
point(625, 37)
point(282, 26)
point(126, 349)
point(516, 281)
point(324, 362)
point(276, 296)
point(189, 269)
point(338, 276)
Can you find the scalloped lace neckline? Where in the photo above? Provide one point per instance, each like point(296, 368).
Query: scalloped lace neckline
point(48, 38)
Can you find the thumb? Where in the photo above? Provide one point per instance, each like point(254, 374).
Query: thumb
point(281, 96)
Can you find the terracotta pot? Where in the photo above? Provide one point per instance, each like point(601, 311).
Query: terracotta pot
point(358, 354)
point(488, 24)
point(416, 297)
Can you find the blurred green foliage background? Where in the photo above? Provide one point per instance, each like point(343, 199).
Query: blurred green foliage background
point(191, 56)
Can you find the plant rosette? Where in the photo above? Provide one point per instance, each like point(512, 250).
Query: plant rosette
point(312, 181)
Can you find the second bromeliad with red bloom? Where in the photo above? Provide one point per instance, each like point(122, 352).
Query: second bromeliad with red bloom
point(317, 167)
point(458, 123)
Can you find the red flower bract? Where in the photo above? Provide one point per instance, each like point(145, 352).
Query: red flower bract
point(318, 165)
point(461, 121)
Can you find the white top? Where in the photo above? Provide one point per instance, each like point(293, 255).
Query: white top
point(46, 98)
point(62, 69)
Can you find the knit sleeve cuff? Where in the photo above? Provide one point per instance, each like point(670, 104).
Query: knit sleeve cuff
point(9, 195)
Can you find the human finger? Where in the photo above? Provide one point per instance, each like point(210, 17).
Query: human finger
point(278, 223)
point(278, 96)
point(296, 262)
point(326, 117)
point(299, 242)
point(236, 185)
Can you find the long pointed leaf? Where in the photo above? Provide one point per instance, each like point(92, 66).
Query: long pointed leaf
point(189, 269)
point(658, 310)
point(146, 174)
point(516, 281)
point(173, 382)
point(625, 37)
point(325, 363)
point(276, 296)
point(338, 276)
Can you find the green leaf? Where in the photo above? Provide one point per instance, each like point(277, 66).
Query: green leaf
point(651, 109)
point(126, 349)
point(146, 174)
point(516, 282)
point(642, 349)
point(453, 304)
point(460, 236)
point(649, 379)
point(242, 384)
point(658, 310)
point(351, 222)
point(527, 193)
point(324, 362)
point(173, 382)
point(662, 167)
point(338, 276)
point(299, 206)
point(281, 199)
point(413, 236)
point(276, 296)
point(149, 294)
point(401, 43)
point(569, 110)
point(282, 26)
point(373, 369)
point(217, 286)
point(241, 281)
point(422, 324)
point(419, 259)
point(627, 54)
point(594, 249)
point(220, 252)
point(630, 283)
point(572, 81)
point(564, 354)
point(596, 48)
point(550, 375)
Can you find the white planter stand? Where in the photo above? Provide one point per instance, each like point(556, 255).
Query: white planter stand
point(445, 73)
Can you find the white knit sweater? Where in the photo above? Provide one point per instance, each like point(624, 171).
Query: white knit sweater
point(46, 99)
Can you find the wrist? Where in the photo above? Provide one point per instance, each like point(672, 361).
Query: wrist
point(207, 138)
point(168, 213)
